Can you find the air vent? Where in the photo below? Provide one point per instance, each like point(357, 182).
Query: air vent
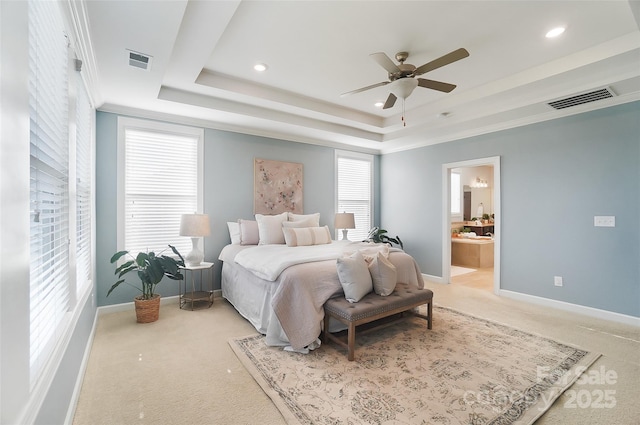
point(579, 99)
point(139, 60)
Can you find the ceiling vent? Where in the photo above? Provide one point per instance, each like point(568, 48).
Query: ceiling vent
point(579, 99)
point(139, 60)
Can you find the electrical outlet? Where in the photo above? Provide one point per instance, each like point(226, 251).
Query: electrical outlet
point(604, 221)
point(557, 280)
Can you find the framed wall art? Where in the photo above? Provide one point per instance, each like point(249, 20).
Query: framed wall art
point(277, 187)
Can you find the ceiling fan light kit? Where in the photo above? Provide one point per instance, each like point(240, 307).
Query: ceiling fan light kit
point(403, 76)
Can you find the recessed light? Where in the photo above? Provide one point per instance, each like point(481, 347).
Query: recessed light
point(555, 32)
point(379, 104)
point(260, 67)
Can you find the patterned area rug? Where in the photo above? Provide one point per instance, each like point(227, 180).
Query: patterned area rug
point(466, 370)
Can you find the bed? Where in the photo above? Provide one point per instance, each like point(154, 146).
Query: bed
point(281, 289)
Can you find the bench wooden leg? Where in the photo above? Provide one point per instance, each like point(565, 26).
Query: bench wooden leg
point(325, 331)
point(351, 341)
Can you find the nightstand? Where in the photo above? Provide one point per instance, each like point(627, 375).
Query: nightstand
point(205, 293)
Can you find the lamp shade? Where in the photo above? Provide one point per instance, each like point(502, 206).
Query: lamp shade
point(345, 221)
point(194, 225)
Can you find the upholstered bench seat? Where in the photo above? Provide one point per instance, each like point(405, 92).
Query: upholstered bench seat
point(374, 307)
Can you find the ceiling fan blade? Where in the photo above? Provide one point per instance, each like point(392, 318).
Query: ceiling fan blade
point(391, 100)
point(365, 88)
point(436, 85)
point(384, 61)
point(456, 55)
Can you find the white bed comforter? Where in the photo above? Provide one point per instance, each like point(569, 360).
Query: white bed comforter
point(268, 261)
point(307, 278)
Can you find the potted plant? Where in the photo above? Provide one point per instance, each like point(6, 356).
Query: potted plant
point(377, 235)
point(150, 269)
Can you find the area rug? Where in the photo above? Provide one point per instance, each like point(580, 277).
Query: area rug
point(466, 370)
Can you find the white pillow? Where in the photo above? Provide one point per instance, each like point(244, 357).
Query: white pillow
point(270, 228)
point(354, 277)
point(234, 232)
point(298, 217)
point(306, 236)
point(248, 232)
point(307, 222)
point(383, 274)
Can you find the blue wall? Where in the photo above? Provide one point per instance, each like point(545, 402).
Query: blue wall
point(228, 192)
point(555, 176)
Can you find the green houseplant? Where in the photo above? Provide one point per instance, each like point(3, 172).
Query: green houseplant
point(378, 235)
point(150, 269)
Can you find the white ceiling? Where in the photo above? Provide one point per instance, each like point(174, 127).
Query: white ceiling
point(204, 51)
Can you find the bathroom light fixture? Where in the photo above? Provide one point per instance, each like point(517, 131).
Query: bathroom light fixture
point(479, 183)
point(194, 226)
point(378, 104)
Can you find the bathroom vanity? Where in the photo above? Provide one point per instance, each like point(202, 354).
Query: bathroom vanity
point(472, 252)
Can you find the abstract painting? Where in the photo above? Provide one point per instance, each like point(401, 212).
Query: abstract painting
point(277, 187)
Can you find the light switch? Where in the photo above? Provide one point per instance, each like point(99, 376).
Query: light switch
point(604, 221)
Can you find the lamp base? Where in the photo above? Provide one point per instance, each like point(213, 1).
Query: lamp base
point(344, 234)
point(195, 257)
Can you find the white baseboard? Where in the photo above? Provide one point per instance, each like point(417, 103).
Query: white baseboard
point(431, 278)
point(116, 308)
point(573, 308)
point(561, 305)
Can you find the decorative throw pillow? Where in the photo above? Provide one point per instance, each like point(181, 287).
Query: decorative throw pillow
point(270, 228)
point(354, 277)
point(306, 236)
point(307, 222)
point(383, 274)
point(315, 218)
point(248, 232)
point(234, 232)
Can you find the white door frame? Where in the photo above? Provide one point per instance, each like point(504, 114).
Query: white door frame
point(493, 161)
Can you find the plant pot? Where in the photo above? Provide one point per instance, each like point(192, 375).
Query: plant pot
point(147, 311)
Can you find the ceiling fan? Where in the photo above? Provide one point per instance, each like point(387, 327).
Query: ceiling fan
point(404, 75)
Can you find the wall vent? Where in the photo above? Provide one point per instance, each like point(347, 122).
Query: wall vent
point(579, 99)
point(139, 60)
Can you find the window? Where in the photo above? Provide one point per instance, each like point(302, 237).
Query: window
point(161, 169)
point(354, 181)
point(456, 199)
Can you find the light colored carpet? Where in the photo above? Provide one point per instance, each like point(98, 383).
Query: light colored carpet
point(181, 369)
point(464, 370)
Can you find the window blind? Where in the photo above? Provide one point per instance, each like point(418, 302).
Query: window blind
point(161, 184)
point(49, 231)
point(84, 159)
point(355, 188)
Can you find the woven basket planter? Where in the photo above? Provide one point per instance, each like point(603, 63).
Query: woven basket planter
point(147, 311)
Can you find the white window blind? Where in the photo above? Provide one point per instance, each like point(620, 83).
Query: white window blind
point(355, 190)
point(161, 183)
point(84, 159)
point(48, 110)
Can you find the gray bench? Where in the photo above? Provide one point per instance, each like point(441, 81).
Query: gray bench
point(374, 307)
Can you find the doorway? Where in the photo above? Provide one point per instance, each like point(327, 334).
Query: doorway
point(476, 259)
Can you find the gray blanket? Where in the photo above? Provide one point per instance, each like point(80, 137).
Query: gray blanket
point(304, 288)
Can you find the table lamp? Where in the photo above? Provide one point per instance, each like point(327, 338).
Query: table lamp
point(194, 226)
point(345, 221)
